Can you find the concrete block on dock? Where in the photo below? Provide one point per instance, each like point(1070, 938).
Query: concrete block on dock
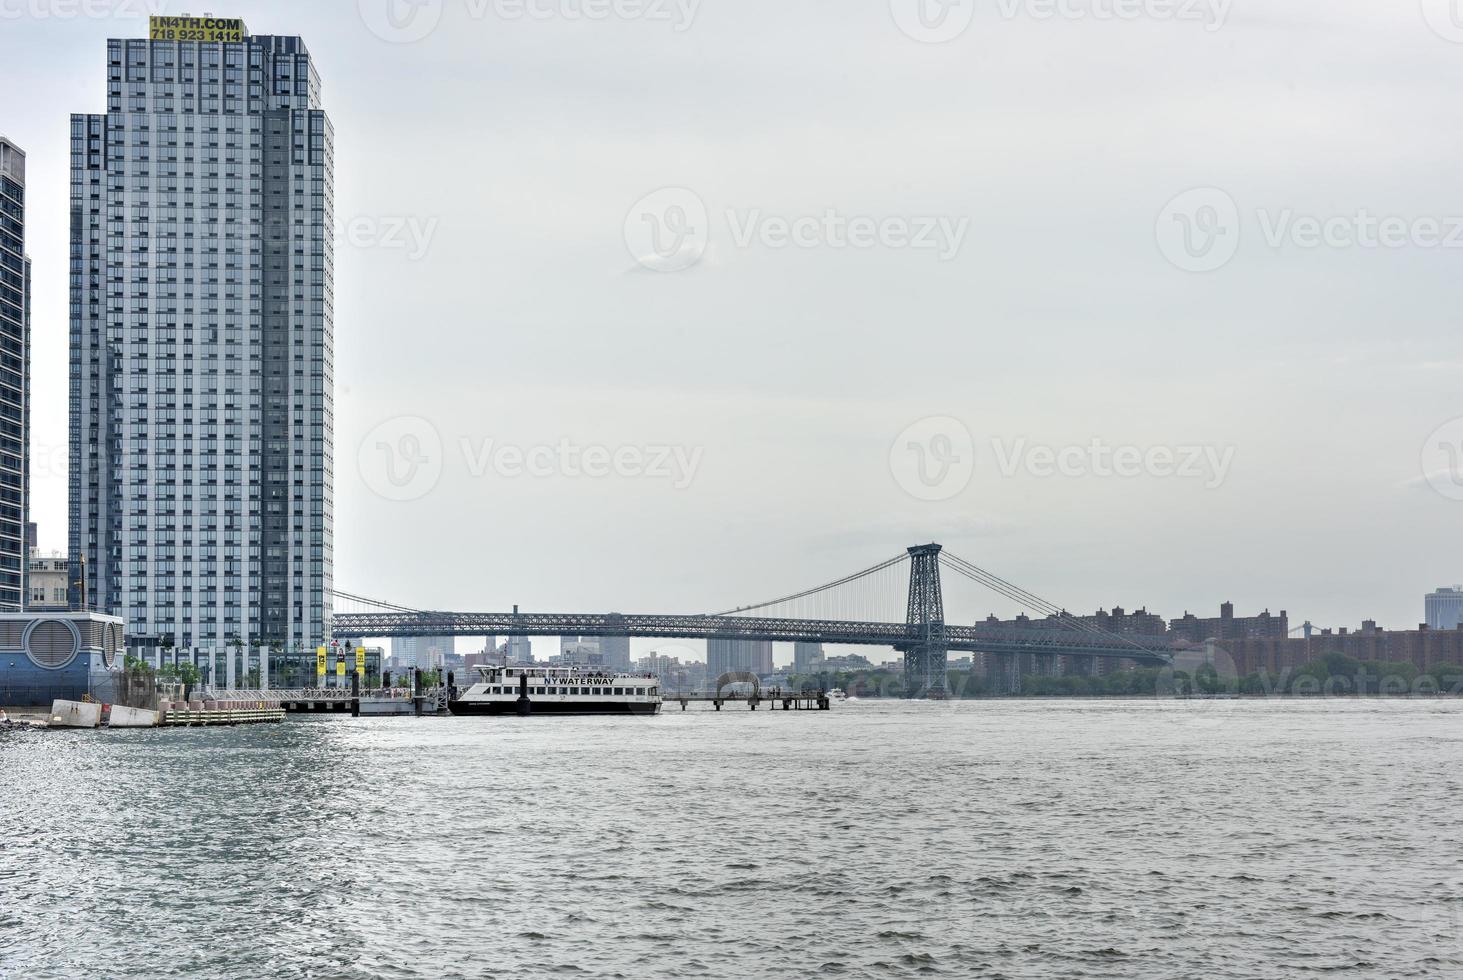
point(133, 717)
point(75, 714)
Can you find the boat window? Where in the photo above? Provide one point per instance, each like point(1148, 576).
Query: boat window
point(573, 690)
point(619, 692)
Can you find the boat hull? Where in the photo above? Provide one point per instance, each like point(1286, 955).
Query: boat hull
point(551, 708)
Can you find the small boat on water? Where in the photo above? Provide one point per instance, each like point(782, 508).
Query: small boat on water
point(535, 690)
point(837, 694)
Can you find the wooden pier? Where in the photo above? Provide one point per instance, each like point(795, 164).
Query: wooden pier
point(775, 700)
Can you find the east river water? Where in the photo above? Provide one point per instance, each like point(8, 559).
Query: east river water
point(1162, 839)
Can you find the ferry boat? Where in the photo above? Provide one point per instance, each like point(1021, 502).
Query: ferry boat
point(557, 691)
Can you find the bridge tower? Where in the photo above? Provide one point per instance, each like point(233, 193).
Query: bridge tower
point(924, 660)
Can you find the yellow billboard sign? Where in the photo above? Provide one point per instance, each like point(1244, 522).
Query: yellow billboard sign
point(207, 29)
point(320, 661)
point(340, 667)
point(361, 661)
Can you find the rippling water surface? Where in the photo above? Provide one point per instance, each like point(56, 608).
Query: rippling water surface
point(1002, 839)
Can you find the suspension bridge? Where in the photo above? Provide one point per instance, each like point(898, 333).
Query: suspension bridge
point(854, 610)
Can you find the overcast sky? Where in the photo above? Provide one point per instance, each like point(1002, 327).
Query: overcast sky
point(1214, 248)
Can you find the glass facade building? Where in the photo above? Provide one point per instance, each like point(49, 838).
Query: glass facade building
point(202, 345)
point(14, 379)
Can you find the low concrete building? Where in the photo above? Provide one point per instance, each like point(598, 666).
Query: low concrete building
point(46, 657)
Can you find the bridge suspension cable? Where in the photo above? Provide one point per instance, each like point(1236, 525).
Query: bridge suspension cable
point(1021, 596)
point(372, 603)
point(841, 583)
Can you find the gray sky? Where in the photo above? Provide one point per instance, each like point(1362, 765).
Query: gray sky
point(493, 281)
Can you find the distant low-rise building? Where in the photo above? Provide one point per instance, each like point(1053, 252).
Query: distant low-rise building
point(579, 649)
point(1140, 622)
point(674, 675)
point(1423, 648)
point(1228, 626)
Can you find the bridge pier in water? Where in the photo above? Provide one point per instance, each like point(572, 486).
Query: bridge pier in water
point(1003, 672)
